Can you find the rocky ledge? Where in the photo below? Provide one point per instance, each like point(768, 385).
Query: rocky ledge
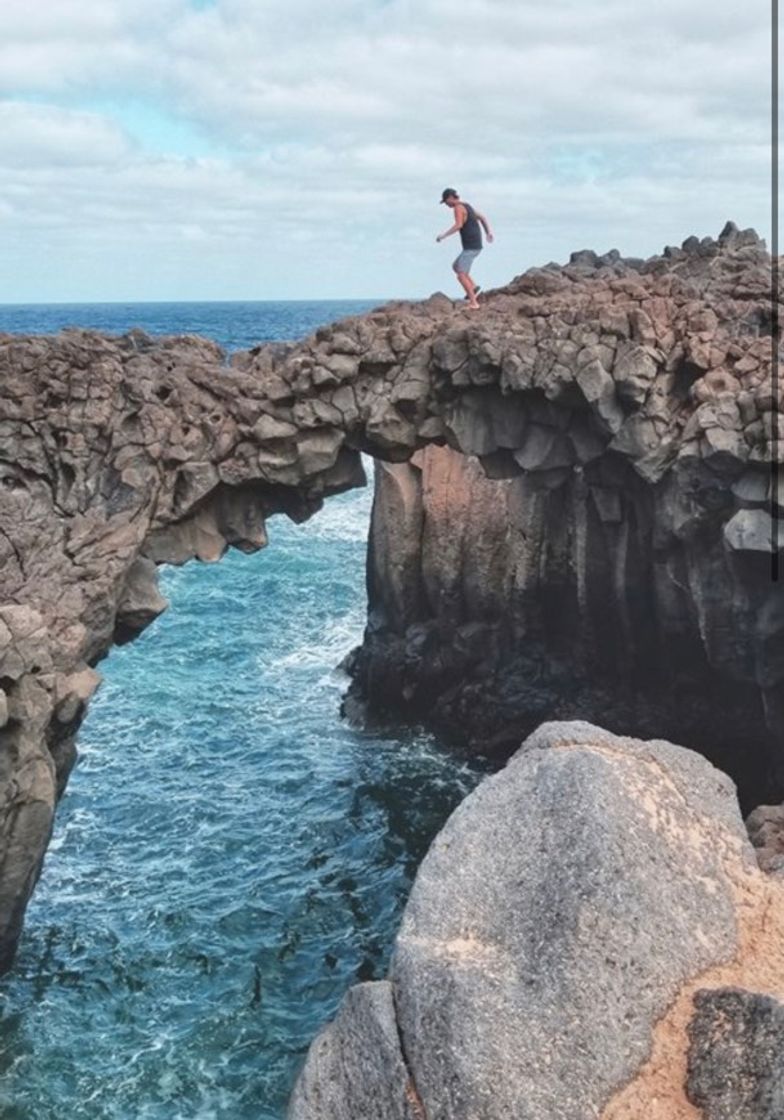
point(588, 936)
point(609, 384)
point(623, 577)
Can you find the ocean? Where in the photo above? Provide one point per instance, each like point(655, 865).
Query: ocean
point(229, 856)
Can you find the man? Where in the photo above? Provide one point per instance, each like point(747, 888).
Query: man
point(468, 221)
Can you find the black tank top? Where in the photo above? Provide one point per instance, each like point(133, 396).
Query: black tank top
point(470, 231)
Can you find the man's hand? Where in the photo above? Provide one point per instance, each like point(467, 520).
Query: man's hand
point(459, 219)
point(485, 226)
point(438, 239)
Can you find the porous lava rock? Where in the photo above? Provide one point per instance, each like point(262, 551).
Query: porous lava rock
point(600, 550)
point(557, 932)
point(736, 1055)
point(765, 825)
point(119, 454)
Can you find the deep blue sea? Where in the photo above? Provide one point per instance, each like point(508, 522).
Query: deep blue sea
point(229, 856)
point(237, 326)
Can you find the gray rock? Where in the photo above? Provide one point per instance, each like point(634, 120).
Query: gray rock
point(732, 237)
point(584, 258)
point(750, 530)
point(634, 372)
point(599, 389)
point(544, 449)
point(751, 489)
point(269, 428)
point(354, 1068)
point(554, 919)
point(765, 826)
point(140, 602)
point(736, 1055)
point(552, 925)
point(482, 421)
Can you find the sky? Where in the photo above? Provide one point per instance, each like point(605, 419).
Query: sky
point(289, 149)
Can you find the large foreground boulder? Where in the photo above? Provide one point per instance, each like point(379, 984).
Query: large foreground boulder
point(554, 939)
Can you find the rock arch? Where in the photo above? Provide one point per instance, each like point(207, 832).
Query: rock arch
point(595, 381)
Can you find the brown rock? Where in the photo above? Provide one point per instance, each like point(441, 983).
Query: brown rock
point(123, 453)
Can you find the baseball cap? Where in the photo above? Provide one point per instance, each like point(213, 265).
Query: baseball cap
point(449, 192)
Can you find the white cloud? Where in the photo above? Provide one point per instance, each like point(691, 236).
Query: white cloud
point(573, 123)
point(46, 136)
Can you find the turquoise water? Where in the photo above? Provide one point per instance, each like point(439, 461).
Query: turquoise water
point(229, 855)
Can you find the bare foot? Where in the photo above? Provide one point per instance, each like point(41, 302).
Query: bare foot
point(474, 307)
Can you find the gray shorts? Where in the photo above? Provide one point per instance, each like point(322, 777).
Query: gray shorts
point(465, 260)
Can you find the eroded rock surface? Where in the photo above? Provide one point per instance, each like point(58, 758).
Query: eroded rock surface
point(117, 454)
point(558, 929)
point(494, 605)
point(736, 1055)
point(766, 831)
point(625, 575)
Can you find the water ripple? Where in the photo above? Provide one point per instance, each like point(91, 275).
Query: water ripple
point(229, 856)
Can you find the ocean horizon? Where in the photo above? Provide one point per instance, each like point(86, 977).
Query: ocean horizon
point(183, 302)
point(233, 324)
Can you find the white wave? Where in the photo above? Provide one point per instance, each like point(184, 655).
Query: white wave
point(338, 639)
point(345, 521)
point(345, 517)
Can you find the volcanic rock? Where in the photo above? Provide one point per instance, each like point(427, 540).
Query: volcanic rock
point(118, 454)
point(736, 1056)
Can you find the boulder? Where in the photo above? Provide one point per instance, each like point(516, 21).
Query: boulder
point(355, 1068)
point(555, 937)
point(766, 831)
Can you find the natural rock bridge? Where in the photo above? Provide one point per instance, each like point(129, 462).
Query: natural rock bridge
point(632, 398)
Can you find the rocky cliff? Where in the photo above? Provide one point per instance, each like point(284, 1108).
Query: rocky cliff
point(629, 394)
point(496, 604)
point(623, 577)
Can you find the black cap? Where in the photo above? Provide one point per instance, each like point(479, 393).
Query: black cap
point(449, 192)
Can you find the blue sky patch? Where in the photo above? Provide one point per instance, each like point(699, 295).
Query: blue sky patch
point(154, 128)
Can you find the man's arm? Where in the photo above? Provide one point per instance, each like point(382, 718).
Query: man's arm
point(460, 217)
point(485, 225)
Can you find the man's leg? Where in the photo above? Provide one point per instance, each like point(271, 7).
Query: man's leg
point(461, 266)
point(468, 286)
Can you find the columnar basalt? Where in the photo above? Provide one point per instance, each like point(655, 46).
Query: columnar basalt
point(496, 604)
point(641, 386)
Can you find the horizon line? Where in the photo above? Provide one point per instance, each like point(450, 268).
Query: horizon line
point(154, 302)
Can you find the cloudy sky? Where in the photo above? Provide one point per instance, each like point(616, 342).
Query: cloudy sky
point(261, 149)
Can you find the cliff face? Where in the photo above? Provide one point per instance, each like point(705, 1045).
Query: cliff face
point(621, 575)
point(496, 604)
point(639, 392)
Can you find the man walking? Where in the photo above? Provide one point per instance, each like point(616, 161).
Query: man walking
point(468, 221)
